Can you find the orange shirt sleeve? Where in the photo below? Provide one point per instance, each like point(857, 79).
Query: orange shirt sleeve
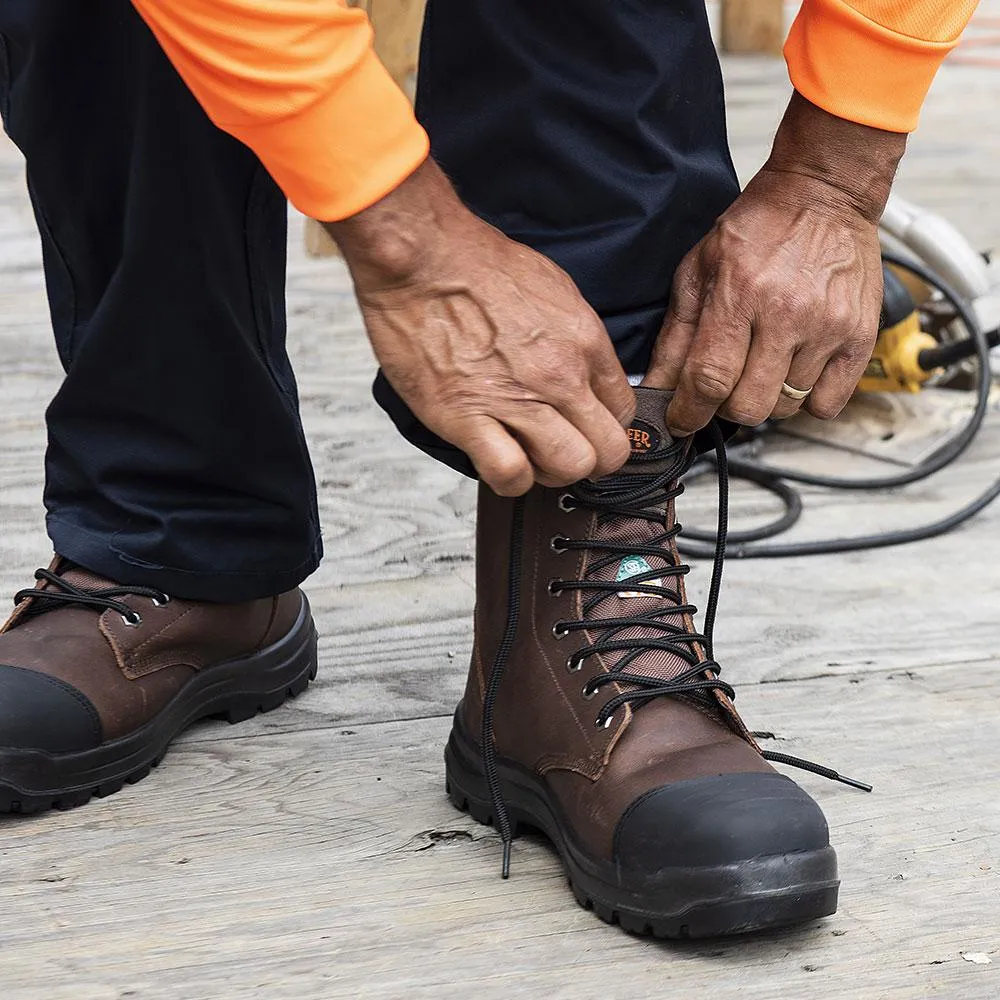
point(296, 81)
point(873, 61)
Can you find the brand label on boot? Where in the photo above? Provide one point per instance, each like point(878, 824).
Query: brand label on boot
point(630, 567)
point(642, 437)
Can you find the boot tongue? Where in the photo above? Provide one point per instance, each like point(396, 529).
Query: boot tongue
point(648, 434)
point(72, 574)
point(83, 578)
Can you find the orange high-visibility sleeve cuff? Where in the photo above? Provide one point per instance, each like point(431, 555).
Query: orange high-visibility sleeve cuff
point(862, 70)
point(346, 151)
point(299, 83)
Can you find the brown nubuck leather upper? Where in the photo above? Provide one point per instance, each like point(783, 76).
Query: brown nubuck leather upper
point(129, 672)
point(544, 719)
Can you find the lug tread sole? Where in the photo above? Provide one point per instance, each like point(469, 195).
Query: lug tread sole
point(737, 916)
point(132, 763)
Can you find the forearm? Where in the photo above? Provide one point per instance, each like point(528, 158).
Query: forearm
point(391, 239)
point(856, 163)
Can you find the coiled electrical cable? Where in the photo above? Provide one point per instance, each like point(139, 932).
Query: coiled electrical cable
point(753, 544)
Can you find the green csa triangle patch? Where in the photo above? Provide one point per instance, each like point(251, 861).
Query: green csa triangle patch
point(632, 566)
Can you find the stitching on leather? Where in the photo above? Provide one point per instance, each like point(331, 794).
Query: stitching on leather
point(113, 642)
point(163, 628)
point(137, 666)
point(270, 624)
point(538, 643)
point(564, 762)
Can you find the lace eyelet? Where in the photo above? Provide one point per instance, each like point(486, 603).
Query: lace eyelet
point(587, 695)
point(554, 588)
point(574, 666)
point(133, 620)
point(161, 603)
point(606, 723)
point(564, 499)
point(556, 547)
point(559, 632)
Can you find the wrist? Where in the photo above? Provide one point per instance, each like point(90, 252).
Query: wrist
point(386, 243)
point(855, 163)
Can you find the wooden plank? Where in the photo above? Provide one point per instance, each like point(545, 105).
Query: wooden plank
point(397, 38)
point(311, 852)
point(329, 864)
point(750, 26)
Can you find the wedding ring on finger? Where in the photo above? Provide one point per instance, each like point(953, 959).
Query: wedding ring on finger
point(792, 393)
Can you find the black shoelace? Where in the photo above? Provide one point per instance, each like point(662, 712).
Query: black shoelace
point(644, 497)
point(68, 594)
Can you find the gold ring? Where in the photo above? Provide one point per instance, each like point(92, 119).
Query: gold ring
point(792, 393)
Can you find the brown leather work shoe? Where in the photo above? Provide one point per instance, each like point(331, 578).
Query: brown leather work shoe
point(594, 713)
point(97, 679)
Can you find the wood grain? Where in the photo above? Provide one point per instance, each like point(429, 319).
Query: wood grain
point(311, 853)
point(328, 863)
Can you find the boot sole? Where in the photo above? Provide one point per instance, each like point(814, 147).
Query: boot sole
point(679, 902)
point(32, 781)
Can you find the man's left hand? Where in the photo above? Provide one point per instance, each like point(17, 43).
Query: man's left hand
point(787, 287)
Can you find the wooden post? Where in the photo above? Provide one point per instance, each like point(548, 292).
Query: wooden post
point(397, 39)
point(753, 26)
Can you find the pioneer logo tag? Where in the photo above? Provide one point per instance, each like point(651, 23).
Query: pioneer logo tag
point(642, 437)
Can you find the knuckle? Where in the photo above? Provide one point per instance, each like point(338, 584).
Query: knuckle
point(596, 346)
point(746, 410)
point(711, 382)
point(826, 409)
point(746, 416)
point(571, 468)
point(858, 350)
point(612, 455)
point(507, 477)
point(509, 486)
point(564, 382)
point(687, 277)
point(843, 316)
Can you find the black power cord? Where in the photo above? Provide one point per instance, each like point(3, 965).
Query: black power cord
point(750, 544)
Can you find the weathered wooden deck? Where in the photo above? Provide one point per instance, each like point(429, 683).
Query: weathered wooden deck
point(311, 853)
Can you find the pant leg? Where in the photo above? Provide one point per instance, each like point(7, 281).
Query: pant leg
point(175, 454)
point(594, 132)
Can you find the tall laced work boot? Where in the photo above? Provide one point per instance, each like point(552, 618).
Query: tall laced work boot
point(594, 712)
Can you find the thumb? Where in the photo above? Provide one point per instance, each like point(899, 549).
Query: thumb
point(679, 326)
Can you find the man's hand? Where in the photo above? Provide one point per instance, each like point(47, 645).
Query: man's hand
point(489, 343)
point(787, 287)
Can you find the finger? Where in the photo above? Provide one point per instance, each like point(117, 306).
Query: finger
point(712, 368)
point(611, 386)
point(836, 384)
point(602, 429)
point(759, 387)
point(500, 461)
point(804, 372)
point(679, 325)
point(559, 453)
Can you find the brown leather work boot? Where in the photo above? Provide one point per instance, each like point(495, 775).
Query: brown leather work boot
point(97, 679)
point(594, 713)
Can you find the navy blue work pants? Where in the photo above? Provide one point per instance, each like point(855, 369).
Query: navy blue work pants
point(593, 131)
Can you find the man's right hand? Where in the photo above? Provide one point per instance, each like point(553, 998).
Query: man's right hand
point(488, 342)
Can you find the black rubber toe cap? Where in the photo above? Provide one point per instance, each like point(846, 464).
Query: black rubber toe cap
point(38, 712)
point(718, 820)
